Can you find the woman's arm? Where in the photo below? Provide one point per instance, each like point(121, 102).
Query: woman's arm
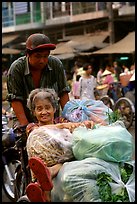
point(71, 125)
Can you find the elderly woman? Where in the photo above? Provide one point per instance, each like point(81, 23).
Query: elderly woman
point(48, 143)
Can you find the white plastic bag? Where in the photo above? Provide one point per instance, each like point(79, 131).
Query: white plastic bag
point(52, 145)
point(76, 181)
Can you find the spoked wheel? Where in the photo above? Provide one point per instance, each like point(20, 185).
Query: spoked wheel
point(107, 101)
point(8, 179)
point(126, 109)
point(22, 179)
point(23, 199)
point(19, 183)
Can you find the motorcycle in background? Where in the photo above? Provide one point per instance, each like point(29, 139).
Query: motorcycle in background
point(10, 158)
point(15, 175)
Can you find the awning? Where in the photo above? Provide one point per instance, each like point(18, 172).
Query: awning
point(62, 48)
point(78, 43)
point(126, 45)
point(65, 56)
point(10, 51)
point(8, 39)
point(89, 41)
point(63, 51)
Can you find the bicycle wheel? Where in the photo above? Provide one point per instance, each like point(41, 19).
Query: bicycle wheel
point(107, 101)
point(23, 199)
point(22, 179)
point(126, 109)
point(7, 182)
point(19, 187)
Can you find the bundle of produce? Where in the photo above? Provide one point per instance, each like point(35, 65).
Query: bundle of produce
point(52, 145)
point(95, 180)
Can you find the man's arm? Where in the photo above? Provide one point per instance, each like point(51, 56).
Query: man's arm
point(64, 99)
point(19, 112)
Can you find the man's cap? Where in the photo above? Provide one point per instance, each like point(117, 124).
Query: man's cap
point(106, 72)
point(39, 41)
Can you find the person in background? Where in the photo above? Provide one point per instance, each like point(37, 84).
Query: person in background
point(35, 70)
point(75, 88)
point(131, 89)
point(87, 83)
point(6, 113)
point(132, 68)
point(107, 77)
point(118, 70)
point(109, 80)
point(125, 69)
point(99, 73)
point(75, 71)
point(44, 161)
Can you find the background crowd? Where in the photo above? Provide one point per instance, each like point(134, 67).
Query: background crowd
point(84, 81)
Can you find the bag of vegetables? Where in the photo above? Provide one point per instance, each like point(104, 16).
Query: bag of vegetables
point(78, 110)
point(110, 143)
point(95, 180)
point(51, 144)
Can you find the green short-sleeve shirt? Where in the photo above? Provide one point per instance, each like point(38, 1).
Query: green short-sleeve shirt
point(20, 82)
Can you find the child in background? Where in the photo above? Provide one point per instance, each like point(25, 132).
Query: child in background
point(99, 74)
point(75, 87)
point(87, 83)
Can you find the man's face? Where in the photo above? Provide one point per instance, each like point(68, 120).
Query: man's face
point(38, 60)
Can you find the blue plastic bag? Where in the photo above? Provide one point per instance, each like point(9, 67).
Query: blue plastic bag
point(80, 110)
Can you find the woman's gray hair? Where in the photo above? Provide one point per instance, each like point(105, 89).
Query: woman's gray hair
point(42, 93)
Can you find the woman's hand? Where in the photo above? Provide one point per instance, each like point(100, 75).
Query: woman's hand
point(71, 125)
point(88, 123)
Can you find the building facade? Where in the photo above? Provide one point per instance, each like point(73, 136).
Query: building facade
point(61, 19)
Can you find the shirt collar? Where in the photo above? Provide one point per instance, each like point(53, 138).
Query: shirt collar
point(27, 71)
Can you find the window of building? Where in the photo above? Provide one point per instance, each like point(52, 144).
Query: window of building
point(21, 7)
point(83, 7)
point(61, 9)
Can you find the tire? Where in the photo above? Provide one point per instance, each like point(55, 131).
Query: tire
point(23, 199)
point(8, 186)
point(22, 179)
point(125, 107)
point(107, 101)
point(19, 183)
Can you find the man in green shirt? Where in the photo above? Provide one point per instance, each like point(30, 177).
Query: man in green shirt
point(37, 69)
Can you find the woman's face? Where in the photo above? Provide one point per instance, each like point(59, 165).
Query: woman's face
point(44, 112)
point(89, 70)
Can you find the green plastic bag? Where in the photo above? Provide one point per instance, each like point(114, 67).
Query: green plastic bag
point(110, 143)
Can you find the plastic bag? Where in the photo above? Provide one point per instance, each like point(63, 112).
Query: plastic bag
point(52, 145)
point(76, 181)
point(110, 143)
point(78, 110)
